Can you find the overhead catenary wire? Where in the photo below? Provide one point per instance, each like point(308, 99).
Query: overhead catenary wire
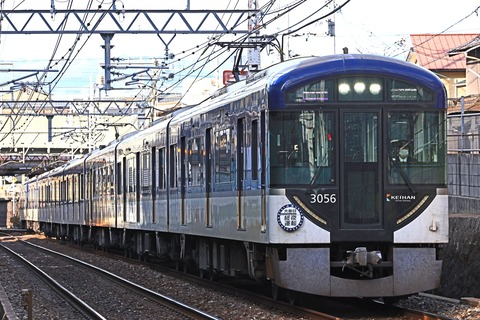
point(203, 59)
point(242, 38)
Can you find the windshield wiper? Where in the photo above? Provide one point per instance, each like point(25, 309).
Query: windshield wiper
point(316, 175)
point(403, 174)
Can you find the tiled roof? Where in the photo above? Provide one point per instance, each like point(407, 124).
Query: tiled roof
point(431, 50)
point(475, 43)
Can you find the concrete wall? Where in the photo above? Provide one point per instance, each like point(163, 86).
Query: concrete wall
point(461, 265)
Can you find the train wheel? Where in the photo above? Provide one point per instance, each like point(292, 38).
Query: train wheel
point(276, 291)
point(211, 274)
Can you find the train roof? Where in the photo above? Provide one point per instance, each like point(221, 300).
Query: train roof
point(293, 73)
point(152, 130)
point(307, 70)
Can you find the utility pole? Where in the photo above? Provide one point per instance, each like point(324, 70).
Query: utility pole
point(107, 47)
point(254, 52)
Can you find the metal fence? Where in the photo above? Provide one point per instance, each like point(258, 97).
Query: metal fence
point(463, 144)
point(463, 133)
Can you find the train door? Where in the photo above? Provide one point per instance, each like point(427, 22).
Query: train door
point(240, 169)
point(153, 178)
point(132, 188)
point(183, 180)
point(263, 165)
point(208, 175)
point(360, 172)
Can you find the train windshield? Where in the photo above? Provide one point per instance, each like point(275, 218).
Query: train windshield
point(416, 143)
point(301, 148)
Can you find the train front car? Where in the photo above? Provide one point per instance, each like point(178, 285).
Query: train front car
point(357, 198)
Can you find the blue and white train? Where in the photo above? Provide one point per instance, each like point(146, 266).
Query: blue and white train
point(323, 175)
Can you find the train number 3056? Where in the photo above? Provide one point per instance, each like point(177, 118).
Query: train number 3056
point(323, 198)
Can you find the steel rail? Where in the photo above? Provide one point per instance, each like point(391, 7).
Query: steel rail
point(78, 303)
point(163, 299)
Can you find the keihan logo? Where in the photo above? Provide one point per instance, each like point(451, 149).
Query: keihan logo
point(399, 198)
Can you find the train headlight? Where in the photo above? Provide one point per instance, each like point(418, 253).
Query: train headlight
point(359, 87)
point(375, 88)
point(343, 88)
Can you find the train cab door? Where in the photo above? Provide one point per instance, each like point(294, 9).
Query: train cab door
point(361, 187)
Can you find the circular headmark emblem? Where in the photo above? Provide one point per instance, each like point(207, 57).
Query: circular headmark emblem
point(289, 217)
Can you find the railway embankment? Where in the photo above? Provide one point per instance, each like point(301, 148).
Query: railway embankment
point(461, 267)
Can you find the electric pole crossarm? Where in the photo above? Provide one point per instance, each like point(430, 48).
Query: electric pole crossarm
point(124, 21)
point(48, 107)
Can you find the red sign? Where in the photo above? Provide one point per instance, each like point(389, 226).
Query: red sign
point(228, 76)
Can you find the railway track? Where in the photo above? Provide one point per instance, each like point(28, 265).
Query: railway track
point(344, 309)
point(86, 287)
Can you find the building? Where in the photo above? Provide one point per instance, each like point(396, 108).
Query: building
point(470, 53)
point(440, 53)
point(455, 59)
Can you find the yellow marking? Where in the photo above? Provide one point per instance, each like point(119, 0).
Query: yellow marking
point(304, 207)
point(411, 212)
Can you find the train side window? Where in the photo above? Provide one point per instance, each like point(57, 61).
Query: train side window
point(153, 165)
point(93, 179)
point(119, 178)
point(98, 182)
point(131, 172)
point(61, 191)
point(223, 156)
point(173, 166)
point(161, 169)
point(111, 181)
point(73, 187)
point(195, 162)
point(102, 181)
point(146, 172)
point(81, 187)
point(63, 196)
point(55, 192)
point(68, 191)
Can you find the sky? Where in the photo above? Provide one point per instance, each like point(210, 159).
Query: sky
point(363, 26)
